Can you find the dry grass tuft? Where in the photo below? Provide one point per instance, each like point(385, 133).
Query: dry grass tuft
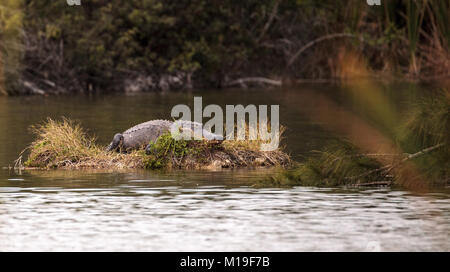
point(65, 144)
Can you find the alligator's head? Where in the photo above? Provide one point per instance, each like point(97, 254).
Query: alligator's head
point(116, 142)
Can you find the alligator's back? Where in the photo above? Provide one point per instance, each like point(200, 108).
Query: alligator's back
point(140, 135)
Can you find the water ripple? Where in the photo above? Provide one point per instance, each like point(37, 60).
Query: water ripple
point(127, 217)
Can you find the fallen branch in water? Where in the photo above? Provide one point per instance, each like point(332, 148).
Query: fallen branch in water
point(374, 183)
point(242, 81)
point(389, 167)
point(33, 89)
point(422, 152)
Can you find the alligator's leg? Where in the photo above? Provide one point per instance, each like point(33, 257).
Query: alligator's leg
point(116, 142)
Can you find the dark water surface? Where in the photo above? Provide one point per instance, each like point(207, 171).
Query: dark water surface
point(198, 210)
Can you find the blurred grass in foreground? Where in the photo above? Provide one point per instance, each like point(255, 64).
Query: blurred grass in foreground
point(376, 143)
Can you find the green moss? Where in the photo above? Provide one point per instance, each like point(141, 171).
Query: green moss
point(153, 162)
point(165, 149)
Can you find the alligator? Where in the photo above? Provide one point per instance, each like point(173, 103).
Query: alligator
point(146, 134)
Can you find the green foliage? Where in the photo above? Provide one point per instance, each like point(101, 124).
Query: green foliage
point(165, 149)
point(103, 38)
point(102, 43)
point(154, 162)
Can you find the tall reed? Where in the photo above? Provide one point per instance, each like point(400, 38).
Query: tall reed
point(414, 17)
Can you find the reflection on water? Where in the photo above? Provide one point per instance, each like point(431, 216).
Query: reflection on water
point(211, 211)
point(195, 210)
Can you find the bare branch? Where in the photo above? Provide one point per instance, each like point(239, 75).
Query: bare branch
point(269, 22)
point(318, 40)
point(389, 167)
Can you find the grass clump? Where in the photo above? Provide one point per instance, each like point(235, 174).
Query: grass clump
point(65, 144)
point(340, 163)
point(58, 143)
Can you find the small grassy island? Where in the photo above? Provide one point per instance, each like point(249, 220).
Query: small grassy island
point(66, 144)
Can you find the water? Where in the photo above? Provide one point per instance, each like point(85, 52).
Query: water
point(196, 210)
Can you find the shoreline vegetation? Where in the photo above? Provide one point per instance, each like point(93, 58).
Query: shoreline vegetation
point(48, 47)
